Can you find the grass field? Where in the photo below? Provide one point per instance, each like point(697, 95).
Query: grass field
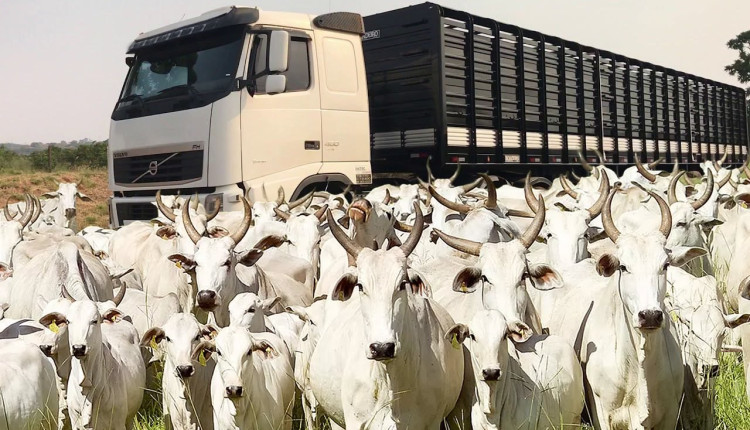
point(732, 407)
point(93, 183)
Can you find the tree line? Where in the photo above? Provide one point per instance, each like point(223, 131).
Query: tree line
point(91, 156)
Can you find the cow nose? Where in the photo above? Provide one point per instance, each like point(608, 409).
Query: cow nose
point(382, 350)
point(711, 370)
point(79, 350)
point(186, 371)
point(650, 319)
point(207, 299)
point(491, 374)
point(234, 391)
point(70, 213)
point(46, 350)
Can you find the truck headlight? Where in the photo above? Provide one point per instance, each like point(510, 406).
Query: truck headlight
point(212, 200)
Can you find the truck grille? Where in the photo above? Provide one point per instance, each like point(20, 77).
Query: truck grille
point(135, 211)
point(159, 168)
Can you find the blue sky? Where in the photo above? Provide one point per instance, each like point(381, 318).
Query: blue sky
point(62, 67)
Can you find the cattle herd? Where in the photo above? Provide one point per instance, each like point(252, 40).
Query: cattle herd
point(600, 299)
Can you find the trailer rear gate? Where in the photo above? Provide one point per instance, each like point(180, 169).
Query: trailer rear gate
point(464, 88)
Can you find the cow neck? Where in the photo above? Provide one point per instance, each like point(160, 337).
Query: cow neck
point(93, 379)
point(177, 392)
point(648, 350)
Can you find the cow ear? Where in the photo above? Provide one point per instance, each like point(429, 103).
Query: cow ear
point(272, 241)
point(419, 284)
point(51, 194)
point(544, 277)
point(265, 347)
point(744, 288)
point(299, 311)
point(217, 232)
point(209, 331)
point(607, 265)
point(680, 255)
point(83, 197)
point(206, 347)
point(153, 336)
point(466, 280)
point(5, 272)
point(167, 232)
point(518, 332)
point(736, 320)
point(156, 221)
point(268, 304)
point(182, 262)
point(53, 317)
point(250, 257)
point(112, 315)
point(460, 331)
point(345, 287)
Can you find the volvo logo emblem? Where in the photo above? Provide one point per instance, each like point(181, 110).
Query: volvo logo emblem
point(153, 167)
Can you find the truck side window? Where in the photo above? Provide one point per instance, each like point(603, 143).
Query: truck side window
point(298, 72)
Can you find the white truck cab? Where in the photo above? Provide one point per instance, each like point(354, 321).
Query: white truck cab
point(240, 100)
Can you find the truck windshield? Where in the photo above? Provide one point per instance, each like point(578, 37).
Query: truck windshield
point(199, 71)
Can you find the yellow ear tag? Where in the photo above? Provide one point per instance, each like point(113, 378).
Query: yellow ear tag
point(178, 264)
point(153, 343)
point(54, 327)
point(202, 359)
point(674, 316)
point(454, 342)
point(341, 295)
point(463, 287)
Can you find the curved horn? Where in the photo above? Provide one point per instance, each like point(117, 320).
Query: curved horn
point(300, 200)
point(280, 196)
point(455, 174)
point(596, 208)
point(531, 199)
point(458, 207)
point(724, 181)
point(724, 157)
point(164, 209)
point(732, 183)
point(666, 215)
point(66, 293)
point(120, 294)
point(584, 162)
point(321, 213)
point(600, 156)
point(402, 226)
point(471, 185)
point(654, 164)
point(576, 177)
point(8, 216)
point(676, 167)
point(672, 189)
point(387, 198)
point(746, 170)
point(529, 236)
point(422, 183)
point(463, 245)
point(352, 248)
point(609, 226)
point(430, 177)
point(716, 165)
point(642, 170)
point(491, 201)
point(28, 211)
point(188, 223)
point(282, 214)
point(245, 224)
point(37, 209)
point(212, 215)
point(416, 231)
point(706, 193)
point(194, 203)
point(566, 187)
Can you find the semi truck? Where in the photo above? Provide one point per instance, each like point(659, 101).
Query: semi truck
point(242, 101)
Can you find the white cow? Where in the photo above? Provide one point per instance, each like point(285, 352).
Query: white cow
point(616, 323)
point(253, 383)
point(503, 393)
point(384, 362)
point(64, 213)
point(186, 382)
point(28, 387)
point(107, 377)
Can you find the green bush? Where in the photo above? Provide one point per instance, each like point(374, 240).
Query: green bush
point(91, 156)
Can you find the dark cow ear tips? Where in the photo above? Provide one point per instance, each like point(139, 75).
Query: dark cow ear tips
point(607, 265)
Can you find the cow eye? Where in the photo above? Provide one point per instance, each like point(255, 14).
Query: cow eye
point(549, 235)
point(666, 266)
point(402, 286)
point(623, 268)
point(681, 224)
point(251, 309)
point(484, 278)
point(167, 339)
point(359, 287)
point(94, 321)
point(198, 337)
point(218, 353)
point(227, 263)
point(471, 336)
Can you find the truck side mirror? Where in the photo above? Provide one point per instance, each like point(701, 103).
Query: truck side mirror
point(275, 84)
point(278, 51)
point(129, 61)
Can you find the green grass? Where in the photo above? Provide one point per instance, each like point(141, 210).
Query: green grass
point(732, 406)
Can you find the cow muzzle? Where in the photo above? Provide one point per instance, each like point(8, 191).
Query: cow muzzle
point(207, 300)
point(650, 319)
point(380, 351)
point(79, 350)
point(490, 375)
point(185, 371)
point(70, 213)
point(234, 391)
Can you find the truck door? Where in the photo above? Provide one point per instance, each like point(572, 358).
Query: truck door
point(281, 133)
